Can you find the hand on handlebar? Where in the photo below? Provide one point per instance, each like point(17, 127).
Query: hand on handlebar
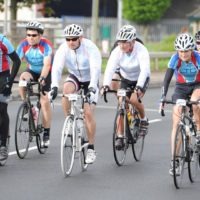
point(162, 106)
point(104, 89)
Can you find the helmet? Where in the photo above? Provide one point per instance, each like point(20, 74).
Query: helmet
point(184, 42)
point(197, 36)
point(73, 30)
point(127, 33)
point(35, 26)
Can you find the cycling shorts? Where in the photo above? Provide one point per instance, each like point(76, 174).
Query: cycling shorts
point(184, 91)
point(3, 79)
point(36, 76)
point(83, 85)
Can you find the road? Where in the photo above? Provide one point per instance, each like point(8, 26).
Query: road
point(39, 177)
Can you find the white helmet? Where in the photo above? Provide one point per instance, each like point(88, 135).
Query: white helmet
point(73, 30)
point(126, 33)
point(35, 26)
point(184, 42)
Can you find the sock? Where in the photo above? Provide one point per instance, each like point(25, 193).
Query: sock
point(46, 131)
point(91, 146)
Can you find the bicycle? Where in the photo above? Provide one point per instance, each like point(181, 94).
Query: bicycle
point(74, 138)
point(131, 135)
point(185, 147)
point(4, 99)
point(27, 126)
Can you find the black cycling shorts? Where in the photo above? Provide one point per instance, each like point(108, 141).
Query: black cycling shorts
point(184, 91)
point(36, 76)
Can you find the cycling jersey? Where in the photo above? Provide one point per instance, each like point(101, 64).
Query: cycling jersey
point(134, 66)
point(34, 55)
point(84, 63)
point(5, 48)
point(186, 72)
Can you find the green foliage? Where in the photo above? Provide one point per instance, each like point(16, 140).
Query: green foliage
point(167, 44)
point(144, 11)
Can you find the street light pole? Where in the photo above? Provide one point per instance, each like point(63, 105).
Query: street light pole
point(119, 14)
point(95, 16)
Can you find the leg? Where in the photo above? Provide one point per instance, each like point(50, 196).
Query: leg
point(4, 129)
point(143, 119)
point(46, 120)
point(24, 76)
point(91, 129)
point(68, 88)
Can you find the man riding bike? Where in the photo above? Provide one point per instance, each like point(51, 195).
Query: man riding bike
point(38, 53)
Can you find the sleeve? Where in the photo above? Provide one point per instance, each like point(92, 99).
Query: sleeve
point(95, 66)
point(9, 47)
point(167, 79)
point(57, 68)
point(20, 51)
point(144, 60)
point(48, 51)
point(111, 66)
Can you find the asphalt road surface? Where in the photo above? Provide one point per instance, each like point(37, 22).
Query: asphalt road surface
point(39, 177)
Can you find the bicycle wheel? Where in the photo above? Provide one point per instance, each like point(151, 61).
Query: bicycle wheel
point(138, 140)
point(179, 156)
point(193, 154)
point(83, 141)
point(68, 145)
point(39, 135)
point(119, 154)
point(22, 131)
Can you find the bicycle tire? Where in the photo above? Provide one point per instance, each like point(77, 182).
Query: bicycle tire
point(67, 145)
point(119, 155)
point(83, 144)
point(39, 135)
point(138, 140)
point(180, 155)
point(22, 131)
point(193, 154)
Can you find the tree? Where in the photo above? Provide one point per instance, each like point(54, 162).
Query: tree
point(15, 4)
point(144, 11)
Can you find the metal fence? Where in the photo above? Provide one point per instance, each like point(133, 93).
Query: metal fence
point(107, 28)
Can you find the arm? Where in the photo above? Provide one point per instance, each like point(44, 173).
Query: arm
point(16, 64)
point(144, 61)
point(95, 67)
point(168, 76)
point(111, 66)
point(57, 68)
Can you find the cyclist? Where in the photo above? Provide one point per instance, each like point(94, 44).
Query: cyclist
point(115, 84)
point(134, 61)
point(185, 63)
point(6, 80)
point(38, 53)
point(83, 61)
point(197, 38)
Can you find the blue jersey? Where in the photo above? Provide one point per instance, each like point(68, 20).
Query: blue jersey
point(34, 55)
point(5, 48)
point(186, 72)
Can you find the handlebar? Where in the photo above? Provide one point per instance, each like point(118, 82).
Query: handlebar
point(31, 83)
point(188, 103)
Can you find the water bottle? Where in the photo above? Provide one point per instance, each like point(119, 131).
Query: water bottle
point(35, 112)
point(129, 117)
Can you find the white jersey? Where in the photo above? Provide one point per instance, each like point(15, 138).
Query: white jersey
point(134, 66)
point(84, 63)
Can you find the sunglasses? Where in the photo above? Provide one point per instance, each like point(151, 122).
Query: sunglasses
point(72, 39)
point(32, 35)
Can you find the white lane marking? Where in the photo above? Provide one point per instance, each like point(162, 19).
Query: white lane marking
point(29, 149)
point(155, 120)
